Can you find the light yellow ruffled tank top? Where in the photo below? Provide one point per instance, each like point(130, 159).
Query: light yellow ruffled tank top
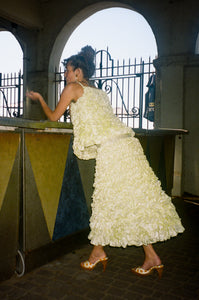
point(94, 122)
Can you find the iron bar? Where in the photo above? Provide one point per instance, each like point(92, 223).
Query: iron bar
point(141, 93)
point(11, 103)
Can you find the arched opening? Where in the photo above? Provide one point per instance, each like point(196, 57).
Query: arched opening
point(125, 32)
point(11, 70)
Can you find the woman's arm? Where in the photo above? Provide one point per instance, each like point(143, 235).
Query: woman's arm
point(71, 92)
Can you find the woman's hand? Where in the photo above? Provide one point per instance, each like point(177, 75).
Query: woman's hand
point(72, 91)
point(33, 95)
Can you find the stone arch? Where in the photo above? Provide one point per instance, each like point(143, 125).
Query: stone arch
point(66, 32)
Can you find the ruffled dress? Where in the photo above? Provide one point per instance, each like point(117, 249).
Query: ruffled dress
point(129, 206)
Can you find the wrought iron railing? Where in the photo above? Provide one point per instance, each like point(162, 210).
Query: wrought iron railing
point(11, 96)
point(125, 84)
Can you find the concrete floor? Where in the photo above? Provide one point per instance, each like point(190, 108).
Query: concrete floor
point(64, 279)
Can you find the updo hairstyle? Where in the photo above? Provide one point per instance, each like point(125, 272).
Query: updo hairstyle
point(83, 60)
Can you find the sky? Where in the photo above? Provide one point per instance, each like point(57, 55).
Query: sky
point(11, 56)
point(125, 32)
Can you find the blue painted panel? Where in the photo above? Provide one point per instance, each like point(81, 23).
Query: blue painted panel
point(72, 213)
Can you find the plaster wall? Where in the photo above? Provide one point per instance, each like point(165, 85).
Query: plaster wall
point(171, 107)
point(191, 121)
point(178, 107)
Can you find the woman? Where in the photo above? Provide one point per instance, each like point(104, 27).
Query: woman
point(129, 207)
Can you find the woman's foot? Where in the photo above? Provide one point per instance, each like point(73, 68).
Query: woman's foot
point(151, 262)
point(145, 272)
point(97, 254)
point(86, 265)
point(151, 258)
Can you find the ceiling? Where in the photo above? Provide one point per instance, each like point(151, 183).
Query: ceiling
point(23, 12)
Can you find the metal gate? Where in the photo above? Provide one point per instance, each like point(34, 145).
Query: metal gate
point(126, 85)
point(11, 96)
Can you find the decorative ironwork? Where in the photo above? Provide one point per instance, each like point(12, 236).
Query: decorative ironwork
point(133, 76)
point(135, 111)
point(6, 102)
point(11, 102)
point(108, 88)
point(125, 84)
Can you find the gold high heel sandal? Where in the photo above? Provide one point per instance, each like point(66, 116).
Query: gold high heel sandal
point(142, 272)
point(86, 265)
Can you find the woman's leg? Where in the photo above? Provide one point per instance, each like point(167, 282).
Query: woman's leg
point(151, 257)
point(97, 253)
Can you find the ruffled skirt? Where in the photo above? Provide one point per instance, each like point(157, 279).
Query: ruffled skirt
point(129, 206)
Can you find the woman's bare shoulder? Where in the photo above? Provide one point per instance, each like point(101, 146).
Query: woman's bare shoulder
point(73, 89)
point(72, 86)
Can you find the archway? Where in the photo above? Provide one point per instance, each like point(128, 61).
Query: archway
point(67, 33)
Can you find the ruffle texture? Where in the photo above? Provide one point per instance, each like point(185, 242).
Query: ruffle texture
point(129, 206)
point(94, 122)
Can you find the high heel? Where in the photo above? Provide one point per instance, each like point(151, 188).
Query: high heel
point(86, 265)
point(142, 272)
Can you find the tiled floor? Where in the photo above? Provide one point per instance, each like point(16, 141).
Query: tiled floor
point(63, 279)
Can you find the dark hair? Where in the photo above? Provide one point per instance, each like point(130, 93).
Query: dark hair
point(83, 60)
